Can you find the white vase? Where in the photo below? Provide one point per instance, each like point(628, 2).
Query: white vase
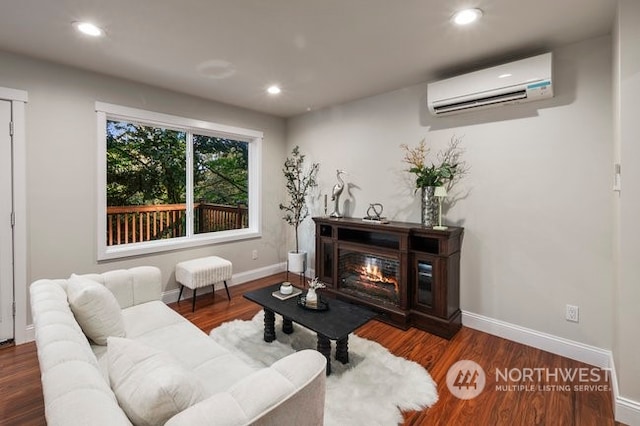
point(312, 297)
point(297, 262)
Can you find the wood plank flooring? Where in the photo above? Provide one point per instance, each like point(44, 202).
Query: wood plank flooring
point(21, 401)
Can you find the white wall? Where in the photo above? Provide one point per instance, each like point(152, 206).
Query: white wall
point(536, 205)
point(627, 150)
point(61, 164)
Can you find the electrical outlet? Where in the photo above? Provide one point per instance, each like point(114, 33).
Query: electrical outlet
point(254, 254)
point(572, 313)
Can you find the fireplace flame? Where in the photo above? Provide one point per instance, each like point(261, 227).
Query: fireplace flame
point(372, 273)
point(369, 276)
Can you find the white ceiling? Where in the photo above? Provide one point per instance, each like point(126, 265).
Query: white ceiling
point(321, 52)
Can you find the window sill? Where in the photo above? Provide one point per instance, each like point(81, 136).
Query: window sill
point(153, 247)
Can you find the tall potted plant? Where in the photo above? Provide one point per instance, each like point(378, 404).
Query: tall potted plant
point(446, 169)
point(299, 182)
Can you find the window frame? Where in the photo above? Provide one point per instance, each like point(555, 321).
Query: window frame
point(106, 111)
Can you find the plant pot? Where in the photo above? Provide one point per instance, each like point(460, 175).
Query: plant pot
point(429, 203)
point(297, 262)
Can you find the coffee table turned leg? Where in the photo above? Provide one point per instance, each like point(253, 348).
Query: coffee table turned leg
point(287, 326)
point(269, 325)
point(342, 350)
point(324, 347)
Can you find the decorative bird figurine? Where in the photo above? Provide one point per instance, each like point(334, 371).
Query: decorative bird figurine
point(335, 193)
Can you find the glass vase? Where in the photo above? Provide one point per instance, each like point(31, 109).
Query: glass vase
point(429, 216)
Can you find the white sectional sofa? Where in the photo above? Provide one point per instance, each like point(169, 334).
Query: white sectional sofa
point(82, 380)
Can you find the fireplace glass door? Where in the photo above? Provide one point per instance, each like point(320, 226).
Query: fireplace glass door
point(424, 282)
point(325, 272)
point(426, 287)
point(370, 276)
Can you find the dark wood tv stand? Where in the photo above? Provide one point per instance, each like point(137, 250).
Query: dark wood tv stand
point(428, 263)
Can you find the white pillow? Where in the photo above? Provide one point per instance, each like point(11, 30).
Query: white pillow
point(150, 385)
point(95, 308)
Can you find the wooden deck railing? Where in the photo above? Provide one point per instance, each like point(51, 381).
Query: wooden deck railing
point(133, 224)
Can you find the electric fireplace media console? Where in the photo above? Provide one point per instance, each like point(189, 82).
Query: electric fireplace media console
point(409, 274)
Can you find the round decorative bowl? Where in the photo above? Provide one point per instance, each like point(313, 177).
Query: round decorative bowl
point(286, 288)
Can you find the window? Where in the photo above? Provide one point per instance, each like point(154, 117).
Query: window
point(168, 182)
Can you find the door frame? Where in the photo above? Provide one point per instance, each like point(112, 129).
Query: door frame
point(18, 99)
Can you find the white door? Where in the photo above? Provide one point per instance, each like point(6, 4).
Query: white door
point(6, 227)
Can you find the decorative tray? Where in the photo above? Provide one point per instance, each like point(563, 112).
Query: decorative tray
point(322, 305)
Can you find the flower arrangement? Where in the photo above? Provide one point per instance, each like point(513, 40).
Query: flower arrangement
point(316, 284)
point(449, 166)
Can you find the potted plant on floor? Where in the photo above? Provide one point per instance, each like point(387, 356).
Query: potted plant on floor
point(299, 182)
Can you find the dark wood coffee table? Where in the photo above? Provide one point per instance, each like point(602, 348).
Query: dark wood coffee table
point(333, 324)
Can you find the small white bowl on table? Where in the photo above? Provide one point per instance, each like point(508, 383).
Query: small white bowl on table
point(286, 288)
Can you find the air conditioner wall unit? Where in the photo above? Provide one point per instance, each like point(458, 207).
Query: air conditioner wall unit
point(517, 82)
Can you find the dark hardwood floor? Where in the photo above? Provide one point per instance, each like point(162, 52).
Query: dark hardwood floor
point(21, 401)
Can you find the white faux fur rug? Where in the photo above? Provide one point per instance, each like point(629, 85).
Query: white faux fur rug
point(370, 390)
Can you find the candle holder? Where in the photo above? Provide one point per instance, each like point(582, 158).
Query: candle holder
point(440, 193)
point(325, 205)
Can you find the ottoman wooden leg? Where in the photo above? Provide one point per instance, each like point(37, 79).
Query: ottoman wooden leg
point(193, 302)
point(227, 288)
point(180, 294)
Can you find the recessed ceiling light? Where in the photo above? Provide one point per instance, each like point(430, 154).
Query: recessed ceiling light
point(466, 16)
point(504, 75)
point(88, 28)
point(274, 90)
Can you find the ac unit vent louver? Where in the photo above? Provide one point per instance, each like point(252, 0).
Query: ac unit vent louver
point(517, 82)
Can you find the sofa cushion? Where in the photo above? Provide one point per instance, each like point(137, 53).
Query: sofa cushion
point(295, 381)
point(95, 308)
point(150, 385)
point(131, 286)
point(156, 325)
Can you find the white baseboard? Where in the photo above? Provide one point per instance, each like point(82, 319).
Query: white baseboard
point(626, 410)
point(28, 336)
point(255, 274)
point(547, 342)
point(239, 278)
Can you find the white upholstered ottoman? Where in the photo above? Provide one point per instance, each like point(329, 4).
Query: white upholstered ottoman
point(202, 272)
